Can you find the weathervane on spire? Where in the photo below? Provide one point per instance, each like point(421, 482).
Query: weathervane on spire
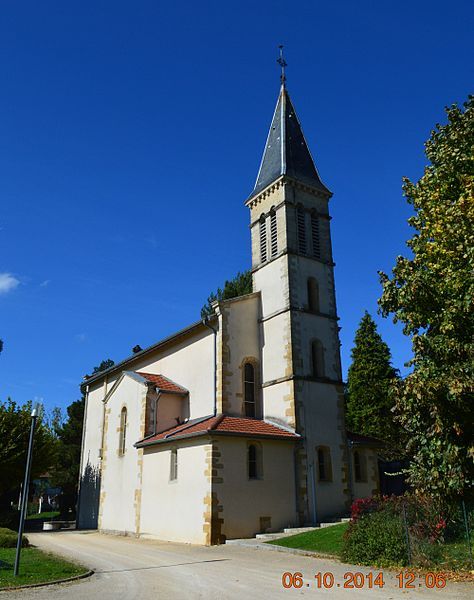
point(282, 62)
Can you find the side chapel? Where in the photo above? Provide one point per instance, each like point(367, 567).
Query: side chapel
point(235, 424)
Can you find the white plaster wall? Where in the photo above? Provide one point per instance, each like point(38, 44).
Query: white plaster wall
point(276, 349)
point(322, 427)
point(170, 408)
point(243, 342)
point(173, 510)
point(121, 473)
point(272, 281)
point(364, 489)
point(244, 501)
point(274, 403)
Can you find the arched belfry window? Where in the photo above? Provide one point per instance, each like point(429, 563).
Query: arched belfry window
point(301, 227)
point(313, 295)
point(315, 236)
point(250, 392)
point(123, 430)
point(317, 359)
point(263, 239)
point(273, 233)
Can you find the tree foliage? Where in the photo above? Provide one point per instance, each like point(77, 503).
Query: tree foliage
point(432, 293)
point(369, 407)
point(15, 424)
point(240, 285)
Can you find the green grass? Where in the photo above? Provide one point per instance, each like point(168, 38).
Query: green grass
point(327, 540)
point(35, 567)
point(43, 515)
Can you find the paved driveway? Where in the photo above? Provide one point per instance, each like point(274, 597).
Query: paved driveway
point(129, 569)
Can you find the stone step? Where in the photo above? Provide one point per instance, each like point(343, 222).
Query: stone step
point(295, 530)
point(271, 536)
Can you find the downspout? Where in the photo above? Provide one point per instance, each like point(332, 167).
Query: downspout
point(350, 445)
point(81, 463)
point(313, 492)
point(205, 322)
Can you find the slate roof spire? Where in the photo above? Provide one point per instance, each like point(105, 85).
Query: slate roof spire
point(286, 151)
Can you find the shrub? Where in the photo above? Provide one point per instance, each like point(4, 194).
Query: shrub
point(376, 538)
point(8, 538)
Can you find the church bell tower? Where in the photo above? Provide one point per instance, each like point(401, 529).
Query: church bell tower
point(293, 270)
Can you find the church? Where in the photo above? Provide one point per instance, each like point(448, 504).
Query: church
point(235, 424)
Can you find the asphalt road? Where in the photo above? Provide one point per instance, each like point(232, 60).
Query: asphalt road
point(129, 569)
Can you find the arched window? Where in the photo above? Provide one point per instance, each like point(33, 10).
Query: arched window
point(273, 233)
point(254, 461)
point(263, 239)
point(301, 226)
point(317, 359)
point(324, 464)
point(249, 390)
point(174, 464)
point(360, 472)
point(123, 430)
point(315, 235)
point(313, 295)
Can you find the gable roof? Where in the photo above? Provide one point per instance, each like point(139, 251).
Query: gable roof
point(163, 383)
point(286, 151)
point(220, 425)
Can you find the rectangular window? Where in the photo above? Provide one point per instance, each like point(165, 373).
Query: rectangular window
point(174, 465)
point(273, 234)
point(263, 239)
point(315, 236)
point(301, 224)
point(324, 464)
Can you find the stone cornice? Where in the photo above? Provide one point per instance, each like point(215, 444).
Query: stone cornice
point(252, 201)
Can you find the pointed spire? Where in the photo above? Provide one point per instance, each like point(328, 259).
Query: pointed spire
point(286, 151)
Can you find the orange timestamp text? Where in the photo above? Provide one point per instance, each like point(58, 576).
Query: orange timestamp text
point(358, 580)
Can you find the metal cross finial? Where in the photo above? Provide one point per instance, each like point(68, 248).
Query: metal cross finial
point(282, 62)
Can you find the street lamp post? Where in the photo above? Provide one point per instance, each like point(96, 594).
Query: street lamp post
point(26, 485)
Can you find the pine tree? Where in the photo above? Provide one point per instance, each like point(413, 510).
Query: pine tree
point(369, 408)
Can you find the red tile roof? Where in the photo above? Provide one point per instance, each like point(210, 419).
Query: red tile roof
point(221, 425)
point(163, 383)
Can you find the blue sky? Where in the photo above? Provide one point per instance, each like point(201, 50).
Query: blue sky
point(131, 133)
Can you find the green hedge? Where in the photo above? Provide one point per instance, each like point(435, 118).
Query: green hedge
point(376, 539)
point(8, 538)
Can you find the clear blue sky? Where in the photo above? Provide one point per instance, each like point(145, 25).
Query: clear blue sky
point(131, 133)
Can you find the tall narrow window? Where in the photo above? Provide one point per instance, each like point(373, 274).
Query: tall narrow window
point(249, 390)
point(173, 464)
point(273, 233)
point(360, 471)
point(315, 236)
point(301, 223)
point(254, 461)
point(317, 359)
point(313, 295)
point(123, 430)
point(324, 464)
point(263, 239)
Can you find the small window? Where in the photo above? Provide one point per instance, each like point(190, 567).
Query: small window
point(254, 461)
point(324, 464)
point(174, 465)
point(273, 234)
point(360, 471)
point(313, 295)
point(249, 390)
point(317, 359)
point(123, 430)
point(301, 225)
point(315, 236)
point(263, 239)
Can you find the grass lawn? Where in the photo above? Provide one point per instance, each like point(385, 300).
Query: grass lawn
point(35, 567)
point(43, 515)
point(327, 540)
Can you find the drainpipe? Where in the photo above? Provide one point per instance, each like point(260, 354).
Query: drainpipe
point(205, 322)
point(350, 444)
point(313, 492)
point(81, 463)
